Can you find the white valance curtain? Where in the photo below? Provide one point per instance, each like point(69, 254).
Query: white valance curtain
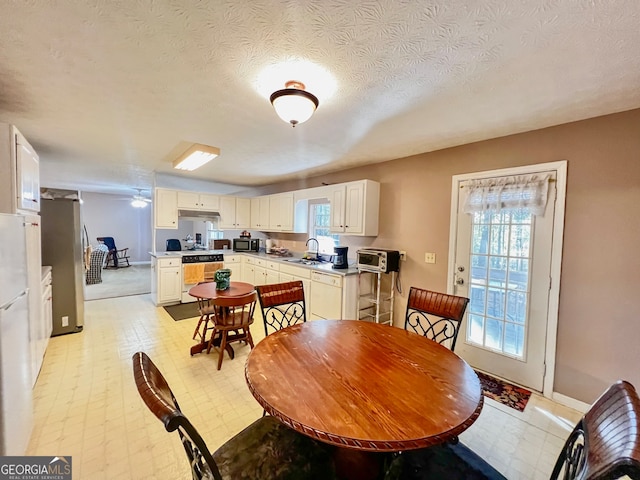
point(508, 193)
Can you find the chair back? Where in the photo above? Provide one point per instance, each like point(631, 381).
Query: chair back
point(606, 441)
point(434, 315)
point(108, 241)
point(282, 305)
point(235, 310)
point(159, 398)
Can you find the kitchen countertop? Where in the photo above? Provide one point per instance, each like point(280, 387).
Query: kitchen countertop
point(320, 267)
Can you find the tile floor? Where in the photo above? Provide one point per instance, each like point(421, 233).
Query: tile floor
point(87, 406)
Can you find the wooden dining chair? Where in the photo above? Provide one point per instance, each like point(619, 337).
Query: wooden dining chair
point(434, 315)
point(232, 314)
point(265, 449)
point(605, 444)
point(282, 305)
point(206, 310)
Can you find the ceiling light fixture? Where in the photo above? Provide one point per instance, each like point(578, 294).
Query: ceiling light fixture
point(294, 104)
point(196, 156)
point(138, 203)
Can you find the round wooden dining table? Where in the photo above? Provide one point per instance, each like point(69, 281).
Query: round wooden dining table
point(363, 387)
point(208, 290)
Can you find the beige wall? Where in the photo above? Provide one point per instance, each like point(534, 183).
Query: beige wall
point(599, 318)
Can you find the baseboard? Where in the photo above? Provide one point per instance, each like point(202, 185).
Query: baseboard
point(140, 263)
point(570, 402)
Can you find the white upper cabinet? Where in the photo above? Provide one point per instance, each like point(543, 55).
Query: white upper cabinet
point(235, 212)
point(198, 201)
point(20, 163)
point(260, 213)
point(355, 208)
point(281, 212)
point(165, 208)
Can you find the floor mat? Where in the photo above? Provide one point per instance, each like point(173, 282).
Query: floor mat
point(183, 311)
point(504, 392)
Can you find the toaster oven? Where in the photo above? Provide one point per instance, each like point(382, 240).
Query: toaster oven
point(378, 260)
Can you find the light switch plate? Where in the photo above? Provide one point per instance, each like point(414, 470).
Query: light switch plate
point(430, 257)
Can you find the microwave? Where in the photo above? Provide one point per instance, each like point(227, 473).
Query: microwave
point(246, 245)
point(378, 260)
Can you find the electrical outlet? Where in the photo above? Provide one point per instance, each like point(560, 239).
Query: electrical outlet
point(430, 257)
point(65, 321)
point(403, 255)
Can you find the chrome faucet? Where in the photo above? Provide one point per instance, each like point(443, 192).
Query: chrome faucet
point(317, 247)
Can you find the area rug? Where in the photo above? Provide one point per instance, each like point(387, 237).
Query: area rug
point(183, 311)
point(504, 392)
point(444, 461)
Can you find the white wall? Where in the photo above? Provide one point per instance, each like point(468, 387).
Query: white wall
point(106, 215)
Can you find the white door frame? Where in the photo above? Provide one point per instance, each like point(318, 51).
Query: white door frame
point(556, 250)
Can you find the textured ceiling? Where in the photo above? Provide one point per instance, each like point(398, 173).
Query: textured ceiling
point(108, 92)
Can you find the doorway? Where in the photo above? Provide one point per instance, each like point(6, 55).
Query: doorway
point(505, 255)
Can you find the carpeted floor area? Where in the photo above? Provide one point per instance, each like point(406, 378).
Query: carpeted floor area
point(504, 392)
point(121, 282)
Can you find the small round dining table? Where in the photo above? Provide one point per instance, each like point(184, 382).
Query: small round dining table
point(208, 290)
point(363, 387)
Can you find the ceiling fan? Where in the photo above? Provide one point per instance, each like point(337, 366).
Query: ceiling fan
point(139, 201)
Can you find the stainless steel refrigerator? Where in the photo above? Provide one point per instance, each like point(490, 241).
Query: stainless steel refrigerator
point(15, 355)
point(62, 249)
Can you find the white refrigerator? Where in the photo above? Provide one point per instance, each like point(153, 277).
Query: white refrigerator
point(16, 414)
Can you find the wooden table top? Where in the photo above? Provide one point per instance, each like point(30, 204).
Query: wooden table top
point(208, 290)
point(363, 385)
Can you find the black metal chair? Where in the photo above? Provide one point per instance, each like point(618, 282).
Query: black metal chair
point(606, 441)
point(434, 315)
point(605, 444)
point(282, 305)
point(266, 449)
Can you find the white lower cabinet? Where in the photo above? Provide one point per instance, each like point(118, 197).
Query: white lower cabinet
point(326, 296)
point(266, 272)
point(233, 263)
point(41, 332)
point(167, 284)
point(248, 269)
point(289, 273)
point(333, 297)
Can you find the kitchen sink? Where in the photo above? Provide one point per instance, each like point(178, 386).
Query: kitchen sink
point(304, 261)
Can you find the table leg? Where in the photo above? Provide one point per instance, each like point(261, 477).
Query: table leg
point(202, 346)
point(353, 464)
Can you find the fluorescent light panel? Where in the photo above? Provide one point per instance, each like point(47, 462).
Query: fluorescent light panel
point(196, 156)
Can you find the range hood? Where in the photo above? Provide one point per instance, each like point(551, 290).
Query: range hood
point(198, 215)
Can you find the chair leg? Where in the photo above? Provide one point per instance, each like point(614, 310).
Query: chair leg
point(205, 319)
point(223, 344)
point(248, 337)
point(211, 340)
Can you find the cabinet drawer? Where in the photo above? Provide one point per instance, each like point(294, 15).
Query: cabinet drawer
point(334, 280)
point(261, 262)
point(295, 271)
point(231, 258)
point(169, 262)
point(273, 265)
point(249, 260)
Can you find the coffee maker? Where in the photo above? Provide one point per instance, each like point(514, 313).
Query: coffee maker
point(340, 257)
